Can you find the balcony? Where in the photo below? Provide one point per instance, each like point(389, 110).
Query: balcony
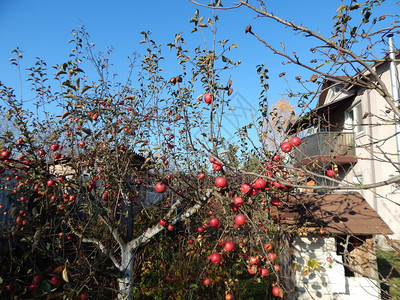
point(337, 147)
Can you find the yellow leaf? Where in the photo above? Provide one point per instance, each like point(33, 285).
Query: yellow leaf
point(65, 275)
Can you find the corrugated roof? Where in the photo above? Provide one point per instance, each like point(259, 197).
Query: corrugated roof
point(339, 213)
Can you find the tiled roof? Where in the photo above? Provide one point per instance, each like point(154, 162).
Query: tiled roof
point(337, 213)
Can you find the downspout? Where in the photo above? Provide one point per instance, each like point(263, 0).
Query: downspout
point(395, 88)
point(371, 140)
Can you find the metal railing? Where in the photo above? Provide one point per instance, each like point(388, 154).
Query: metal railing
point(332, 144)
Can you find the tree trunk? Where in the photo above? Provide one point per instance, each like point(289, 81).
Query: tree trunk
point(125, 283)
point(287, 267)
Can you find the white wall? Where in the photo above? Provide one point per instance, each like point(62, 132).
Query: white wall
point(377, 163)
point(329, 281)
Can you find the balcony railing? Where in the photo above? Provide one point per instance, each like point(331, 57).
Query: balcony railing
point(327, 146)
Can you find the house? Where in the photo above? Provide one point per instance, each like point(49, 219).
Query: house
point(352, 131)
point(332, 253)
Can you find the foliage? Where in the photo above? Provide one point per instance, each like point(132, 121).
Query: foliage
point(389, 268)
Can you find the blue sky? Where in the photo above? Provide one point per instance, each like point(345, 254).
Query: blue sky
point(42, 28)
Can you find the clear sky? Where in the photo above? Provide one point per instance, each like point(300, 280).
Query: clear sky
point(42, 28)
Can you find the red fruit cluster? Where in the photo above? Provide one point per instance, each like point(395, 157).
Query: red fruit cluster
point(287, 146)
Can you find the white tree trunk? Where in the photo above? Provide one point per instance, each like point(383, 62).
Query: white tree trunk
point(125, 283)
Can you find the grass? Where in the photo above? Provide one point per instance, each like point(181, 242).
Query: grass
point(389, 268)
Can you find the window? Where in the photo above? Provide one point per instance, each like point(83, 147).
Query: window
point(354, 119)
point(335, 91)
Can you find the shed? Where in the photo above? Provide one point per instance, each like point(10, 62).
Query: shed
point(338, 227)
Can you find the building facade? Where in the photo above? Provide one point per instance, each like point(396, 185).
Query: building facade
point(355, 134)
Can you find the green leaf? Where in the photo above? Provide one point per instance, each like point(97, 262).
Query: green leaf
point(193, 286)
point(45, 286)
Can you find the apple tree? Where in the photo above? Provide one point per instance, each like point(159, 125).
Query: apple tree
point(95, 169)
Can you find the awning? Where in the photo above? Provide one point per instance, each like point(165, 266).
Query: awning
point(337, 213)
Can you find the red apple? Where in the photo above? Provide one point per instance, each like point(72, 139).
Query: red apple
point(208, 98)
point(245, 187)
point(206, 281)
point(229, 246)
point(84, 296)
point(271, 256)
point(201, 175)
point(296, 141)
point(50, 182)
point(260, 183)
point(41, 152)
point(221, 182)
point(253, 192)
point(277, 267)
point(275, 201)
point(214, 222)
point(55, 280)
point(240, 219)
point(170, 227)
point(263, 272)
point(238, 201)
point(286, 147)
point(160, 187)
point(252, 269)
point(254, 260)
point(228, 297)
point(163, 222)
point(276, 157)
point(33, 287)
point(215, 258)
point(277, 292)
point(5, 153)
point(268, 247)
point(54, 147)
point(329, 259)
point(331, 173)
point(217, 166)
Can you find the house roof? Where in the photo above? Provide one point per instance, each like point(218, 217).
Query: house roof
point(311, 118)
point(337, 213)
